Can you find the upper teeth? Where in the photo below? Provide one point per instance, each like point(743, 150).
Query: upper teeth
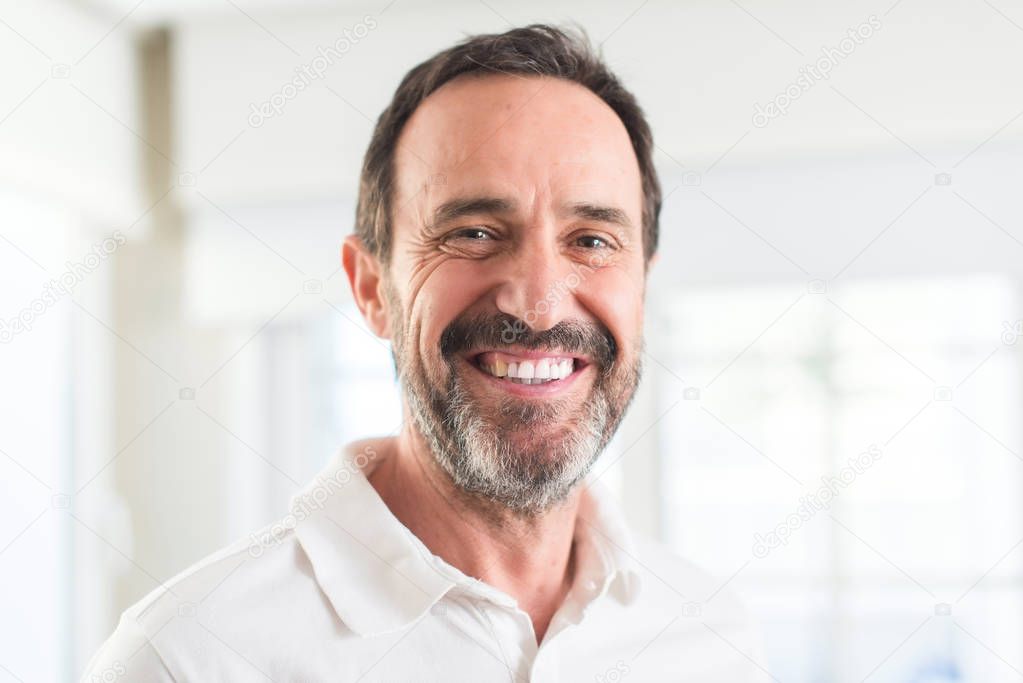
point(539, 369)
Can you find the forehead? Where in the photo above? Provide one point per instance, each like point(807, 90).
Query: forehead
point(512, 134)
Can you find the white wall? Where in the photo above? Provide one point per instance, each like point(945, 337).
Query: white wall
point(69, 109)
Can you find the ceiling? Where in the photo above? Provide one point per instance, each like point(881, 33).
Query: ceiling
point(148, 13)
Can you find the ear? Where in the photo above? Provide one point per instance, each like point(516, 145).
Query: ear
point(365, 276)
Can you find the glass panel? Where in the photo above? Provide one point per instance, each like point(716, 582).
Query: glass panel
point(897, 554)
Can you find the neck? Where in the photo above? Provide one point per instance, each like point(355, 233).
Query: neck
point(527, 557)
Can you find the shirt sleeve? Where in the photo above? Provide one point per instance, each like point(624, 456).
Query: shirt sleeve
point(128, 656)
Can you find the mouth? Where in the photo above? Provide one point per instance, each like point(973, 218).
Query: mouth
point(546, 371)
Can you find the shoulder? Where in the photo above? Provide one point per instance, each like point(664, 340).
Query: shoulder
point(169, 633)
point(246, 566)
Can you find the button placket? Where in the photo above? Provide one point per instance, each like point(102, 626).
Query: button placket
point(512, 668)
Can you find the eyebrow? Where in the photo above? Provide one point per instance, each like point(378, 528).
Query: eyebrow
point(468, 206)
point(601, 214)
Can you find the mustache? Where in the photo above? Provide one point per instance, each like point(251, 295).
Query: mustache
point(494, 331)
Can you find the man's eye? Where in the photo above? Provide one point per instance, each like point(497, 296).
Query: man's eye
point(592, 242)
point(473, 234)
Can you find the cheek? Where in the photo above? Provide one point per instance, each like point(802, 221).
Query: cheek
point(615, 297)
point(446, 293)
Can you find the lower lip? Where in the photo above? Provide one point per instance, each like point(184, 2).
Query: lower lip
point(530, 390)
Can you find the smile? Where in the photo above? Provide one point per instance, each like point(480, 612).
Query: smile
point(530, 368)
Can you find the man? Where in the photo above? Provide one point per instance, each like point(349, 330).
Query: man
point(507, 217)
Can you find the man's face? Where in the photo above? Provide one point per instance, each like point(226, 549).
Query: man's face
point(516, 282)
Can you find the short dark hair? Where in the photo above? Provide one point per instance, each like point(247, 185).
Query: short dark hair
point(537, 50)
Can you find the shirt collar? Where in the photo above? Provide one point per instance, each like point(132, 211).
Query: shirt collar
point(605, 546)
point(380, 578)
point(361, 555)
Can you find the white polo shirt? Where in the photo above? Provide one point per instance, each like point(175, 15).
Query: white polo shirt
point(340, 590)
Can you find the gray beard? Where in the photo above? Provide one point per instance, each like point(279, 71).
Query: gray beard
point(481, 460)
point(475, 450)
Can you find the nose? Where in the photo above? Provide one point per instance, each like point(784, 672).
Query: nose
point(538, 287)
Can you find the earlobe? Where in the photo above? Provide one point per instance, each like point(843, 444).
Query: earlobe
point(365, 278)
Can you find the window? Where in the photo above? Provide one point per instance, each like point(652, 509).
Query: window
point(911, 572)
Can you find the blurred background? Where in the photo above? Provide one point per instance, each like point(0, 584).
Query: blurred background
point(829, 419)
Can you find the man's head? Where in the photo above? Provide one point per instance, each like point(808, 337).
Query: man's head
point(507, 215)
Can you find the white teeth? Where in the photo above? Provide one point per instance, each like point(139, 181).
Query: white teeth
point(526, 370)
point(555, 370)
point(537, 371)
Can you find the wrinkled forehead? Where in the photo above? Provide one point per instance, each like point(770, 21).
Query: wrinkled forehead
point(514, 135)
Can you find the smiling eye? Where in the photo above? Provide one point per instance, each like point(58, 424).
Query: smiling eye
point(473, 234)
point(592, 242)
